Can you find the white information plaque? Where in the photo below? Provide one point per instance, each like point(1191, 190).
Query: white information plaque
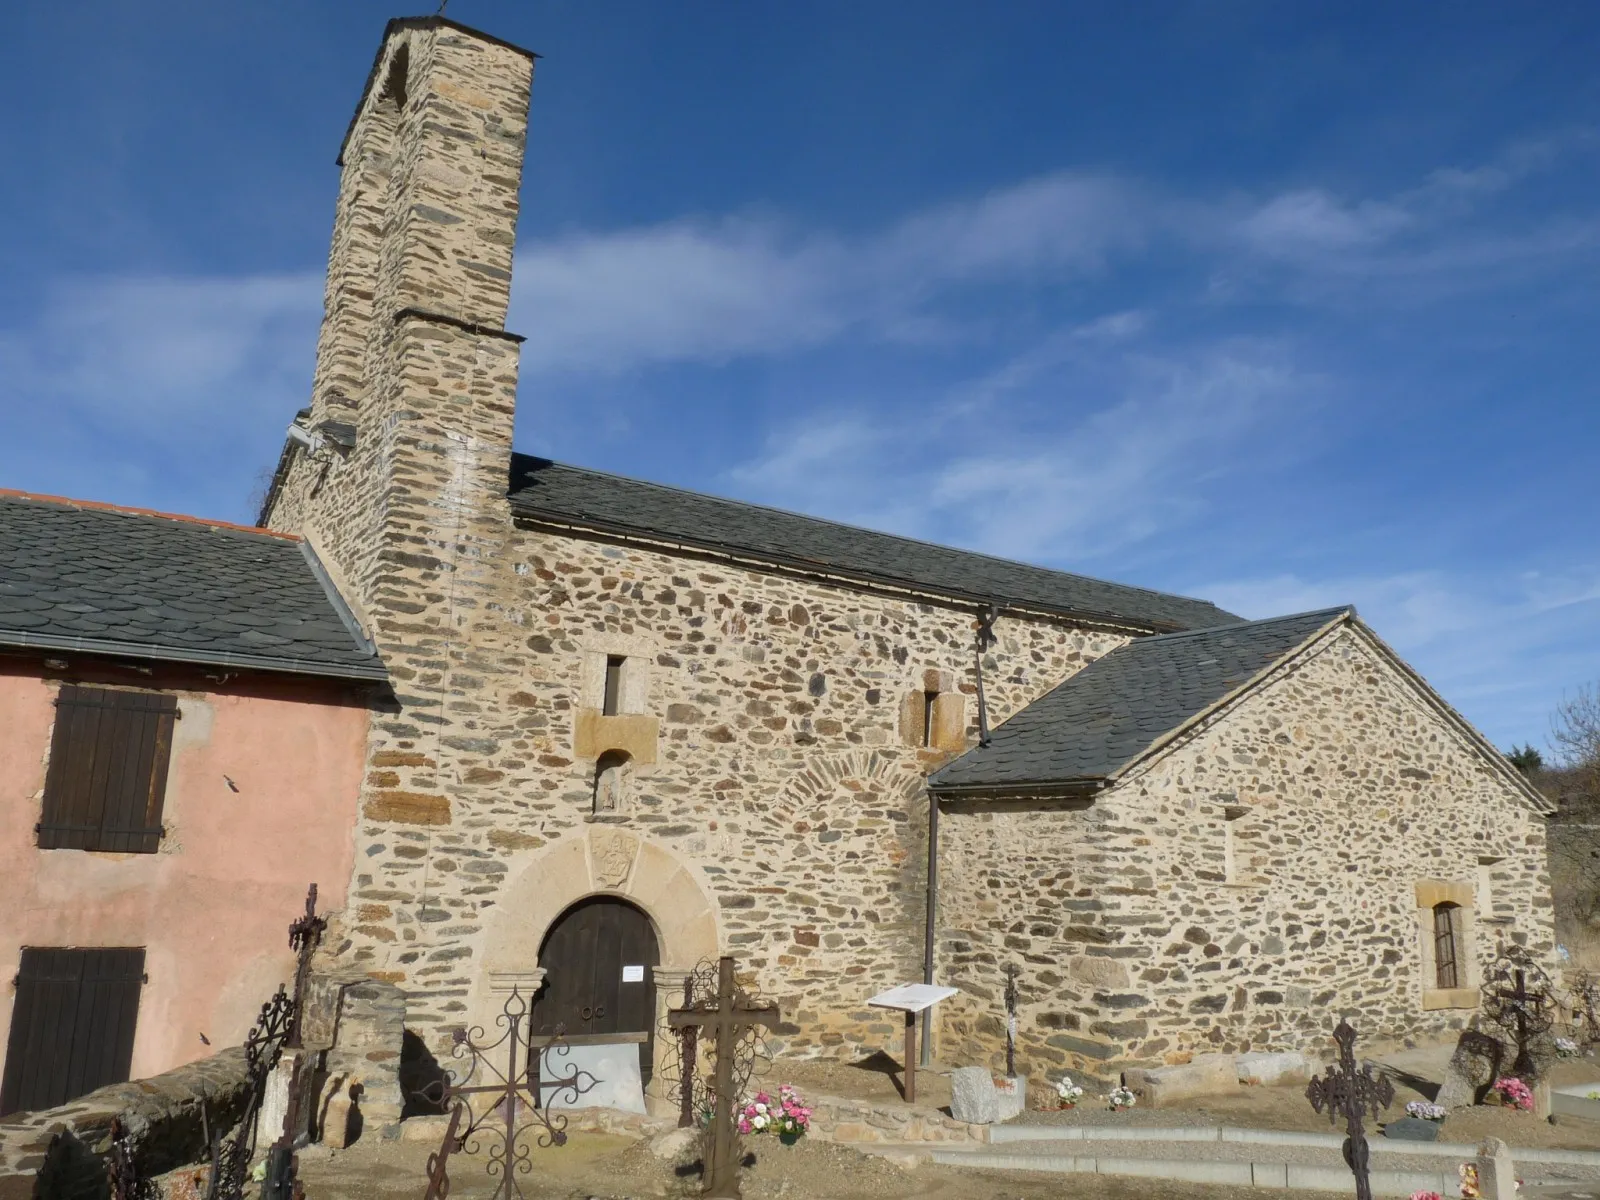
point(912, 997)
point(633, 974)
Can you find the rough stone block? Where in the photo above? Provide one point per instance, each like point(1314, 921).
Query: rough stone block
point(1270, 1070)
point(972, 1096)
point(430, 1129)
point(1207, 1075)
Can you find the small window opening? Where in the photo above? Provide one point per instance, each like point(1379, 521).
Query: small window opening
point(929, 699)
point(610, 706)
point(394, 86)
point(1230, 846)
point(1446, 938)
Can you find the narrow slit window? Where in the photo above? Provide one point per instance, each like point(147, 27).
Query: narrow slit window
point(1446, 940)
point(929, 699)
point(611, 705)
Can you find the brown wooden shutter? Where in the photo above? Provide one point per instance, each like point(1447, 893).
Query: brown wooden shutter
point(72, 1025)
point(108, 770)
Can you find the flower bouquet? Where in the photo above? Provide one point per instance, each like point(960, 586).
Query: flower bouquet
point(1566, 1048)
point(1424, 1111)
point(787, 1116)
point(1426, 1196)
point(1120, 1098)
point(1513, 1093)
point(1068, 1094)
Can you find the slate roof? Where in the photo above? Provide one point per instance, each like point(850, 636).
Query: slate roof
point(1110, 713)
point(541, 489)
point(104, 580)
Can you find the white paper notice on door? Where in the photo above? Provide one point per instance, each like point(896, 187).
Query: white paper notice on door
point(633, 974)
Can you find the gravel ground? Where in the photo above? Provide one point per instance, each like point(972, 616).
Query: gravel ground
point(609, 1168)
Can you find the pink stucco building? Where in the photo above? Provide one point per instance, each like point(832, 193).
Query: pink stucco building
point(183, 717)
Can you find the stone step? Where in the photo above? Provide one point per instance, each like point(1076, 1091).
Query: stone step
point(1009, 1135)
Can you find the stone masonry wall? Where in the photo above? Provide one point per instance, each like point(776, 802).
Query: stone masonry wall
point(773, 759)
point(1345, 789)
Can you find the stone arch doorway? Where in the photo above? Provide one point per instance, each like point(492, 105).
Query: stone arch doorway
point(599, 959)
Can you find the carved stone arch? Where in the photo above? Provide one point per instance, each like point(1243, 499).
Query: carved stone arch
point(601, 860)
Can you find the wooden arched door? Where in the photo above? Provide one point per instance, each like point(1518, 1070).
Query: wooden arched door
point(600, 958)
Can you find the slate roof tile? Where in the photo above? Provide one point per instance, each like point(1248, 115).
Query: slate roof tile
point(613, 504)
point(107, 580)
point(1108, 714)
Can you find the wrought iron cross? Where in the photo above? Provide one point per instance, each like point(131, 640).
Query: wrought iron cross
point(1011, 1020)
point(726, 1023)
point(1521, 1006)
point(1352, 1092)
point(305, 935)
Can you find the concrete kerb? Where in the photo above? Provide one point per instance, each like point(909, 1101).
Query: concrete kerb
point(1014, 1134)
point(1244, 1174)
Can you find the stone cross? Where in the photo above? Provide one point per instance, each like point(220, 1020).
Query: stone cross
point(726, 1023)
point(305, 934)
point(1353, 1093)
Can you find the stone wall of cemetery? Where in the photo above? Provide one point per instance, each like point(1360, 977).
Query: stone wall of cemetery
point(1267, 874)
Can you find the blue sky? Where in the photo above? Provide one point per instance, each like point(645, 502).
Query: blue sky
point(1280, 305)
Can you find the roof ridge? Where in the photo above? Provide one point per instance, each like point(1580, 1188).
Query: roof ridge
point(786, 512)
point(1183, 633)
point(133, 511)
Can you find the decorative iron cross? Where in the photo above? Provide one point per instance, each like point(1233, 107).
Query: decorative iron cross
point(726, 1023)
point(305, 935)
point(500, 1107)
point(1354, 1093)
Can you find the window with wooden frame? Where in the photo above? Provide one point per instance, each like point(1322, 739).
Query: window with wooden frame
point(108, 770)
point(1446, 945)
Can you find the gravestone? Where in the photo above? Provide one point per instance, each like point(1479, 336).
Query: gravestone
point(972, 1096)
point(1473, 1066)
point(1412, 1129)
point(1497, 1174)
point(1010, 1097)
point(1273, 1070)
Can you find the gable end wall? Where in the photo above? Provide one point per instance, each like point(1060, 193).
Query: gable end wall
point(1348, 791)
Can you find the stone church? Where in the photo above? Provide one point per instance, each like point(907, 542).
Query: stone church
point(632, 727)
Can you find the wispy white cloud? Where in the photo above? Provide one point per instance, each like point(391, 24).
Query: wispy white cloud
point(710, 291)
point(131, 350)
point(999, 465)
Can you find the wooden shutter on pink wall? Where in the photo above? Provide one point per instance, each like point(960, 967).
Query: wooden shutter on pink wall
point(108, 770)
